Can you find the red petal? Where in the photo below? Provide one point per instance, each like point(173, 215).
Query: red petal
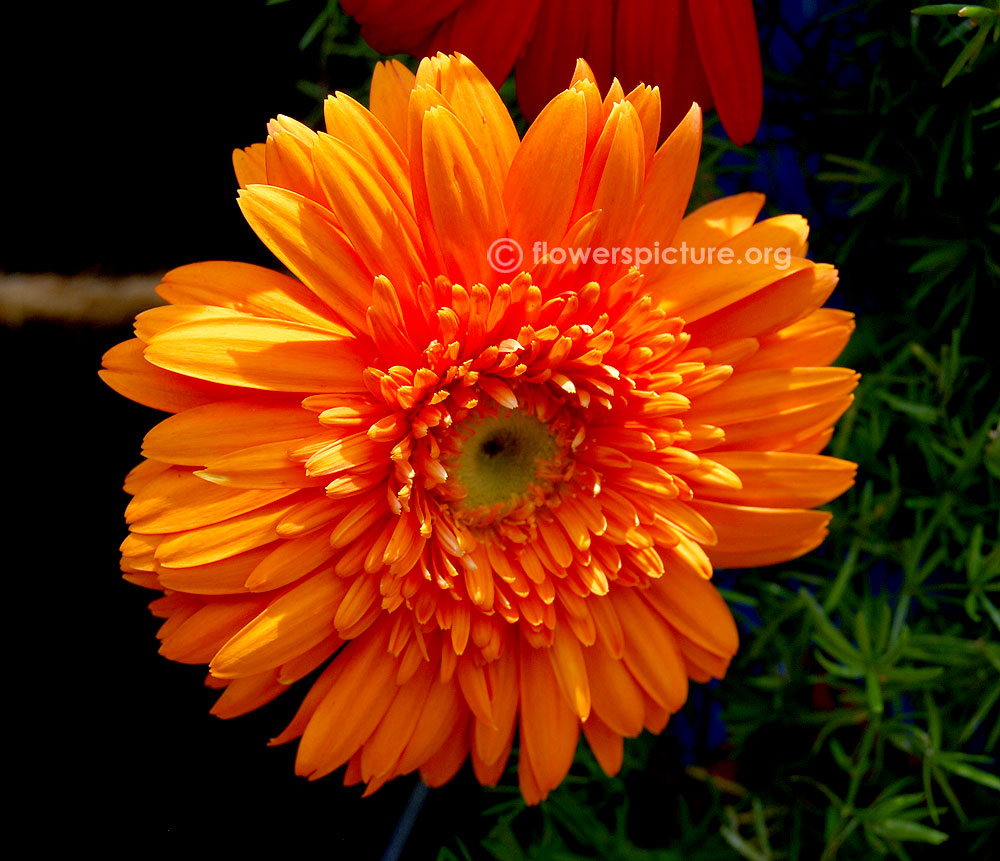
point(566, 30)
point(726, 34)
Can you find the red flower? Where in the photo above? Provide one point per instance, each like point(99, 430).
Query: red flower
point(703, 51)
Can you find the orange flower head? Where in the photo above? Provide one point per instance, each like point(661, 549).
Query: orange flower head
point(703, 51)
point(478, 456)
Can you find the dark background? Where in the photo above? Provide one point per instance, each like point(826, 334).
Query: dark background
point(120, 124)
point(124, 124)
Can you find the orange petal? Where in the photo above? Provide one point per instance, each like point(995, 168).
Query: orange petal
point(490, 742)
point(694, 607)
point(609, 628)
point(314, 696)
point(526, 780)
point(646, 101)
point(466, 212)
point(475, 688)
point(259, 466)
point(489, 773)
point(289, 561)
point(615, 695)
point(582, 72)
point(142, 474)
point(383, 750)
point(348, 121)
point(617, 160)
point(287, 627)
point(566, 657)
point(782, 479)
point(751, 395)
point(695, 289)
point(787, 430)
point(204, 433)
point(423, 98)
point(377, 223)
point(669, 180)
point(785, 232)
point(686, 520)
point(244, 695)
point(615, 175)
point(714, 223)
point(308, 240)
point(816, 340)
point(222, 540)
point(651, 654)
point(149, 324)
point(608, 746)
point(300, 666)
point(702, 665)
point(478, 106)
point(138, 552)
point(248, 165)
point(596, 115)
point(179, 500)
point(247, 288)
point(358, 694)
point(201, 635)
point(346, 452)
point(289, 158)
point(540, 191)
point(777, 305)
point(357, 603)
point(392, 83)
point(224, 577)
point(549, 728)
point(445, 762)
point(127, 371)
point(444, 713)
point(256, 353)
point(750, 536)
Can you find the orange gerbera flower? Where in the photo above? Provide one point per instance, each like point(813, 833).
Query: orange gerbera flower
point(703, 51)
point(493, 500)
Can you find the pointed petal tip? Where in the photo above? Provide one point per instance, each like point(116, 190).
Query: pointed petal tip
point(582, 72)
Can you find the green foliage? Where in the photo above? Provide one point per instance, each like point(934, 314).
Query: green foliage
point(590, 816)
point(343, 59)
point(900, 634)
point(985, 19)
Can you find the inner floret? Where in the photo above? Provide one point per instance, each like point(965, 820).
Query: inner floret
point(501, 460)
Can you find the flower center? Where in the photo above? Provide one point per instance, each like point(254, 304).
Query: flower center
point(501, 457)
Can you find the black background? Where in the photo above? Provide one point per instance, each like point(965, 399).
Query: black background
point(120, 124)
